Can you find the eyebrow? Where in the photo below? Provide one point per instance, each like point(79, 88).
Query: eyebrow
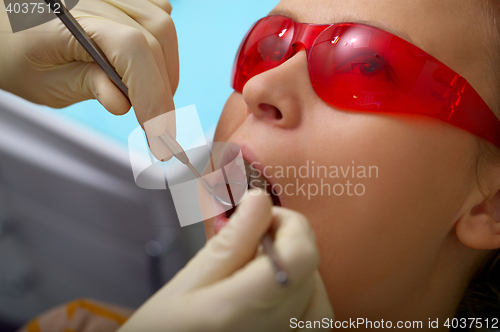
point(345, 19)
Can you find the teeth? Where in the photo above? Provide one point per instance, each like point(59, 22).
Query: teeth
point(251, 171)
point(242, 163)
point(248, 168)
point(257, 180)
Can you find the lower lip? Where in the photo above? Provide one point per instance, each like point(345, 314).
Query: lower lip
point(219, 222)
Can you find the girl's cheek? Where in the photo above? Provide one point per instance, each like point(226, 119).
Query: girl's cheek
point(232, 117)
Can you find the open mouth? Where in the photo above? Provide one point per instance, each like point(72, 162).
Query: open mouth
point(257, 180)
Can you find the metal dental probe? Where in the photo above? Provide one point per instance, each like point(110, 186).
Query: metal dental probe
point(168, 140)
point(95, 52)
point(281, 275)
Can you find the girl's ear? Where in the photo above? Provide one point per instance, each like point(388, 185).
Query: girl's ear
point(479, 227)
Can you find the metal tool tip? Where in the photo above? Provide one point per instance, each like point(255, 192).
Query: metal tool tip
point(282, 278)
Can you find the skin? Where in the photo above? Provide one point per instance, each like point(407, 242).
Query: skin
point(407, 248)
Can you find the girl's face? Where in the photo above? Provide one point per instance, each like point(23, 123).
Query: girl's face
point(382, 233)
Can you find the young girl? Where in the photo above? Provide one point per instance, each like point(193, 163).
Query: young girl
point(406, 243)
point(367, 129)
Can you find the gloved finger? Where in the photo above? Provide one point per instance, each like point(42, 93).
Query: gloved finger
point(156, 145)
point(103, 89)
point(296, 248)
point(295, 242)
point(128, 51)
point(87, 23)
point(256, 302)
point(319, 306)
point(213, 309)
point(234, 311)
point(163, 4)
point(156, 125)
point(157, 122)
point(233, 247)
point(167, 36)
point(77, 81)
point(136, 14)
point(160, 33)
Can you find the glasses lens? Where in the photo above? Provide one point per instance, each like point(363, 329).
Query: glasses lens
point(350, 68)
point(263, 49)
point(231, 193)
point(357, 67)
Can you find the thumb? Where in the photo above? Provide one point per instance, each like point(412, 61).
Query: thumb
point(319, 306)
point(96, 84)
point(231, 249)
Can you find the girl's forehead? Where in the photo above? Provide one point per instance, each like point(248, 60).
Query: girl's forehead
point(424, 22)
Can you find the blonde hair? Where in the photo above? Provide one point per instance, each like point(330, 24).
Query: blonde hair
point(487, 12)
point(482, 297)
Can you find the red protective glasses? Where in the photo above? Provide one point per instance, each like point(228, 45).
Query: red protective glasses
point(358, 67)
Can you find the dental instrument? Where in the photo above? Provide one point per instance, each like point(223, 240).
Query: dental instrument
point(168, 140)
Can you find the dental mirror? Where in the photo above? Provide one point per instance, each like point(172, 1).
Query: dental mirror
point(230, 193)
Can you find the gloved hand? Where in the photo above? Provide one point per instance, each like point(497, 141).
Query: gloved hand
point(225, 287)
point(46, 64)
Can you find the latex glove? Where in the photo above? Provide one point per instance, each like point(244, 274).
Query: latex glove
point(225, 287)
point(46, 64)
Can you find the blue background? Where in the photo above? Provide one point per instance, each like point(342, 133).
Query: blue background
point(209, 33)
